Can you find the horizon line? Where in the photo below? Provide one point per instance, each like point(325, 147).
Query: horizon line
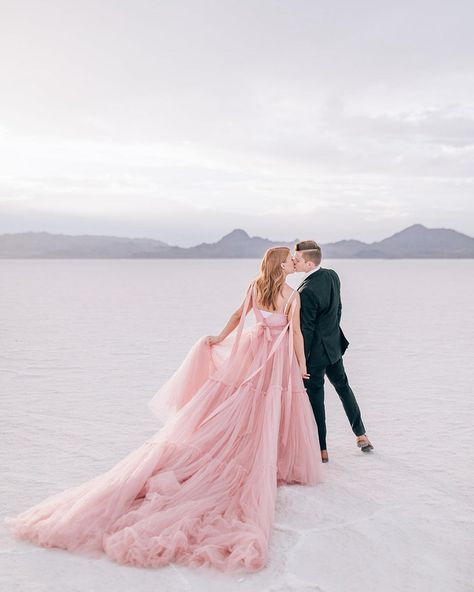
point(418, 224)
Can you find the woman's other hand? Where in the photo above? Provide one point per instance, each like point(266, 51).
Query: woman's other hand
point(304, 373)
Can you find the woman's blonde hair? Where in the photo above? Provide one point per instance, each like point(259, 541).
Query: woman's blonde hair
point(271, 279)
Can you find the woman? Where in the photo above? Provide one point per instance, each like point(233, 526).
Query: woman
point(201, 491)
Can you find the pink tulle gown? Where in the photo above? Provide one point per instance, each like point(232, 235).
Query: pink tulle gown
point(202, 490)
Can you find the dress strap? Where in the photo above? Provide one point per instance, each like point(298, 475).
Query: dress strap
point(285, 310)
point(257, 311)
point(245, 309)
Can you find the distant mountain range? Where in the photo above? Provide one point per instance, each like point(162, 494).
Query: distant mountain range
point(417, 241)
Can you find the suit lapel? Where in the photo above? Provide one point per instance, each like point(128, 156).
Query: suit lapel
point(309, 278)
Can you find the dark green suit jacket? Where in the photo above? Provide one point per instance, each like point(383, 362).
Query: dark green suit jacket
point(320, 316)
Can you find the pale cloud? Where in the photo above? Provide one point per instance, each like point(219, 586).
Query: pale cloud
point(184, 120)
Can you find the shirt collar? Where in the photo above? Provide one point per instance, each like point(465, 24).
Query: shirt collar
point(312, 271)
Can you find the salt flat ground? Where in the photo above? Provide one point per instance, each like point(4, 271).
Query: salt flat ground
point(85, 344)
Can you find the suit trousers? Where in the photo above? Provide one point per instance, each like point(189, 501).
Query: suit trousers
point(315, 389)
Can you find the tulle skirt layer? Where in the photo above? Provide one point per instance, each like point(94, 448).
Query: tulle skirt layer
point(201, 491)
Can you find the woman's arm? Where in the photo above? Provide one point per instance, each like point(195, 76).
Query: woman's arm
point(298, 336)
point(232, 323)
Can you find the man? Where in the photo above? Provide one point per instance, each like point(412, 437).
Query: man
point(324, 341)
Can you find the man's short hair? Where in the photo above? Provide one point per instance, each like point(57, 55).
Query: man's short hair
point(311, 251)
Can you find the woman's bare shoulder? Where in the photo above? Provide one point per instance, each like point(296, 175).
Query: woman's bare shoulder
point(287, 291)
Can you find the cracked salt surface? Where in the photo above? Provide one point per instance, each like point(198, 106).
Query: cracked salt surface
point(85, 344)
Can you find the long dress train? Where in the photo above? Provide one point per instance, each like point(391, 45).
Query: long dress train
point(201, 491)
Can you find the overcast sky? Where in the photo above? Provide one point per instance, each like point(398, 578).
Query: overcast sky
point(181, 120)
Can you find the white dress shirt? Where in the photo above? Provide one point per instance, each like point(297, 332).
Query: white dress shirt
point(312, 271)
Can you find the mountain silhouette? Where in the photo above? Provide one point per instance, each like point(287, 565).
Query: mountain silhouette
point(416, 241)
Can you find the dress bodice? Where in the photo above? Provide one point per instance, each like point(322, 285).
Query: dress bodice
point(267, 313)
point(271, 317)
point(275, 320)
